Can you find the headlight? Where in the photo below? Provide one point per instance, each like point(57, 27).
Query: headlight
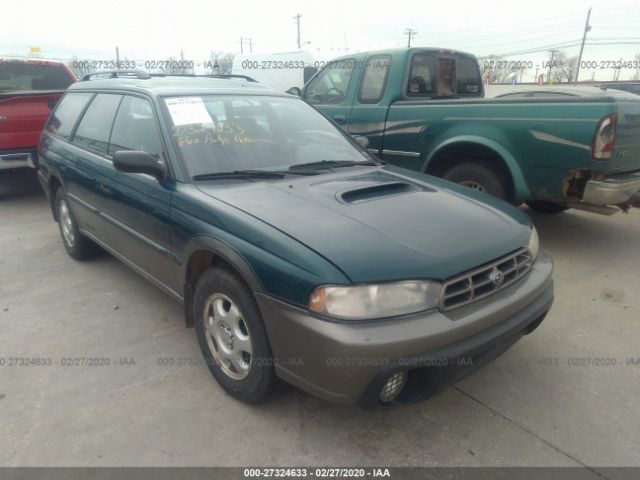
point(534, 244)
point(359, 302)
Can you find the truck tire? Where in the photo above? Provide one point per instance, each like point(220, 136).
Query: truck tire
point(541, 206)
point(77, 245)
point(232, 336)
point(479, 176)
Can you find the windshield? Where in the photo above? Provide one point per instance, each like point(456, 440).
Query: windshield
point(225, 134)
point(17, 75)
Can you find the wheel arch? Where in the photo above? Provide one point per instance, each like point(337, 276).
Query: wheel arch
point(478, 149)
point(205, 252)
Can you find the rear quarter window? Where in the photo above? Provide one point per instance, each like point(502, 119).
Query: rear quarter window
point(67, 112)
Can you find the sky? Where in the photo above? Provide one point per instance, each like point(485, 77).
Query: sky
point(153, 30)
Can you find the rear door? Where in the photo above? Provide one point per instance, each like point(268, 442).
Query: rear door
point(332, 89)
point(90, 171)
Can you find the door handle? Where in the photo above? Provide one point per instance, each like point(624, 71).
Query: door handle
point(339, 118)
point(104, 187)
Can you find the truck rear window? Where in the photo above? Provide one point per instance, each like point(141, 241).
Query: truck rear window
point(435, 76)
point(18, 75)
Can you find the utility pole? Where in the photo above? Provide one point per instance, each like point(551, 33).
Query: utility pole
point(409, 32)
point(553, 52)
point(250, 45)
point(117, 57)
point(297, 19)
point(587, 27)
point(241, 49)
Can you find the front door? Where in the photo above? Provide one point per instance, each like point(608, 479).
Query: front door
point(330, 91)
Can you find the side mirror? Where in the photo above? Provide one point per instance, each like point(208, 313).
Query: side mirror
point(133, 161)
point(363, 141)
point(294, 91)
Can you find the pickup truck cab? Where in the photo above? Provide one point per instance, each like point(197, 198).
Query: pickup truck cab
point(423, 109)
point(29, 89)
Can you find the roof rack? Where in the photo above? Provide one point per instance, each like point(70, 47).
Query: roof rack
point(117, 74)
point(205, 75)
point(142, 75)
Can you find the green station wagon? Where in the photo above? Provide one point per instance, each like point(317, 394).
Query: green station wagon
point(297, 254)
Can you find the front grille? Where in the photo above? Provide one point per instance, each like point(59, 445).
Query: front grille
point(484, 281)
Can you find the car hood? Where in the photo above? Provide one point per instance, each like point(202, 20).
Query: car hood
point(376, 224)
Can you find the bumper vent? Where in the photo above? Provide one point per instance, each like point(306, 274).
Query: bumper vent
point(486, 280)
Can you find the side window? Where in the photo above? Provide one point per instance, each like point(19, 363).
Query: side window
point(421, 75)
point(374, 79)
point(66, 114)
point(330, 86)
point(135, 128)
point(95, 126)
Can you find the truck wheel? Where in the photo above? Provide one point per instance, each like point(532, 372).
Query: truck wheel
point(232, 336)
point(478, 176)
point(77, 245)
point(541, 206)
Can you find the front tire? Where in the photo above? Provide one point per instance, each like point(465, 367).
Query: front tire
point(541, 206)
point(480, 177)
point(77, 245)
point(231, 335)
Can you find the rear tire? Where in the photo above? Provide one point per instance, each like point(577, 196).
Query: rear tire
point(77, 245)
point(480, 177)
point(541, 206)
point(231, 335)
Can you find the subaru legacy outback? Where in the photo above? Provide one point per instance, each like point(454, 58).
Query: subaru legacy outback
point(297, 254)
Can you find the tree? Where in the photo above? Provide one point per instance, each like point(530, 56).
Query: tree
point(220, 63)
point(563, 67)
point(495, 69)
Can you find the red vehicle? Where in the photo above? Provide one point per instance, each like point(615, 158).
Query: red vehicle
point(29, 89)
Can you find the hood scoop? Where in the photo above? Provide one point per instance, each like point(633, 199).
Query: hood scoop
point(376, 191)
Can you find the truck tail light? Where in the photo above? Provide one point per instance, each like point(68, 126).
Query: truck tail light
point(604, 139)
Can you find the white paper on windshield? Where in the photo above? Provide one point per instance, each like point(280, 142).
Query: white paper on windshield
point(187, 111)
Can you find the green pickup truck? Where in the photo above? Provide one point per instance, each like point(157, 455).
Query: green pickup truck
point(424, 109)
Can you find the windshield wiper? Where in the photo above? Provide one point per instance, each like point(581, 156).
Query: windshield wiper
point(265, 174)
point(327, 164)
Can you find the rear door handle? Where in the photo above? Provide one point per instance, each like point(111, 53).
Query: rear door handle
point(340, 119)
point(104, 187)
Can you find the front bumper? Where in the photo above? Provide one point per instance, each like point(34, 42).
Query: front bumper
point(348, 362)
point(614, 190)
point(12, 159)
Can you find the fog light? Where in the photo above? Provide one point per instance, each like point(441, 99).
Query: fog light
point(393, 387)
